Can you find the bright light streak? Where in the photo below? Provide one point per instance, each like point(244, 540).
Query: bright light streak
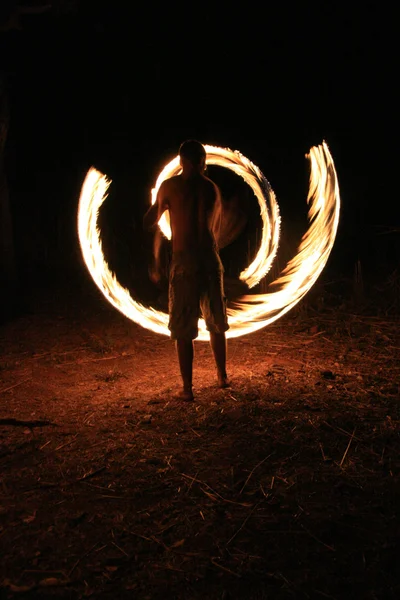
point(250, 312)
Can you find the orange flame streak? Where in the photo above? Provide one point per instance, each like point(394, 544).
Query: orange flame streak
point(93, 194)
point(303, 270)
point(250, 312)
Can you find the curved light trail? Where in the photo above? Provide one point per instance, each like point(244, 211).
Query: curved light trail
point(253, 311)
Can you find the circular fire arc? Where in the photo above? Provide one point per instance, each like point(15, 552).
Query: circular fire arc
point(250, 312)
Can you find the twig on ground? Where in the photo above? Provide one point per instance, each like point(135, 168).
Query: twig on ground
point(91, 474)
point(252, 471)
point(191, 483)
point(317, 539)
point(242, 525)
point(347, 449)
point(195, 432)
point(214, 492)
point(81, 558)
point(15, 385)
point(44, 445)
point(325, 595)
point(120, 549)
point(266, 496)
point(66, 443)
point(143, 537)
point(224, 568)
point(336, 428)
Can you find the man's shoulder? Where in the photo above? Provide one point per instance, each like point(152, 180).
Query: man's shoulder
point(209, 182)
point(169, 187)
point(212, 186)
point(171, 181)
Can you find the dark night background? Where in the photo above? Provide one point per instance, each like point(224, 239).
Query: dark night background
point(286, 484)
point(119, 87)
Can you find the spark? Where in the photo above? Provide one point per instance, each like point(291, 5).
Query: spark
point(252, 311)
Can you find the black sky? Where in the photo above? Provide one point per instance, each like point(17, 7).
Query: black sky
point(119, 87)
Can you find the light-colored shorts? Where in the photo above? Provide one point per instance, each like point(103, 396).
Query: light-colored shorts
point(196, 290)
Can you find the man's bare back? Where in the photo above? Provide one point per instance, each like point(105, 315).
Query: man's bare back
point(192, 203)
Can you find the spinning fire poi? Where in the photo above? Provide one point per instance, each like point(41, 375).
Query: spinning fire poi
point(252, 311)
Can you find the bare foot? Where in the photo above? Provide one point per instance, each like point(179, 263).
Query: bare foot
point(223, 382)
point(185, 395)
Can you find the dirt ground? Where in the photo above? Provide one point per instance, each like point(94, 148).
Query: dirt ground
point(285, 485)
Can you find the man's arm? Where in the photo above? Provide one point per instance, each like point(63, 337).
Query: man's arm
point(150, 220)
point(217, 215)
point(156, 210)
point(228, 220)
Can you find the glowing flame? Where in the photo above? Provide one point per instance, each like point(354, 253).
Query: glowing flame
point(250, 312)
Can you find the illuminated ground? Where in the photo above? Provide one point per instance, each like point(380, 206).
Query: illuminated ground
point(284, 486)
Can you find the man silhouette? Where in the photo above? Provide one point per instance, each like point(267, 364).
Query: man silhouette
point(196, 272)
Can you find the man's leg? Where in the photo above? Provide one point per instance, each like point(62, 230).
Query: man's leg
point(185, 353)
point(218, 346)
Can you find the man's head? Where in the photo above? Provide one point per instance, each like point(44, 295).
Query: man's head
point(193, 155)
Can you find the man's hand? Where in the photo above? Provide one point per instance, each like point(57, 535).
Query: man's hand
point(229, 222)
point(155, 273)
point(151, 217)
point(156, 210)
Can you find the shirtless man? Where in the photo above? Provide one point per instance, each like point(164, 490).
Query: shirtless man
point(196, 273)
